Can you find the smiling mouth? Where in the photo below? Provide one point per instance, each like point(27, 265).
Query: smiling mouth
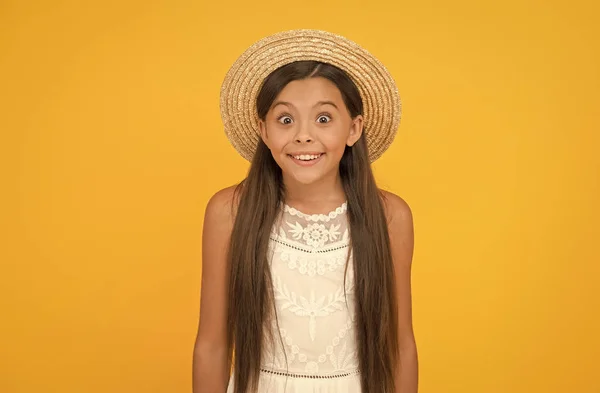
point(306, 157)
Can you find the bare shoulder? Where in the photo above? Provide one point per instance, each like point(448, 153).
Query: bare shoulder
point(221, 207)
point(396, 209)
point(400, 228)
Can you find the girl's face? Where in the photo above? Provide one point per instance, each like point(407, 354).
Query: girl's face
point(307, 129)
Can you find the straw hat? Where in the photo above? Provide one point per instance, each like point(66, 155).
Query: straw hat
point(243, 81)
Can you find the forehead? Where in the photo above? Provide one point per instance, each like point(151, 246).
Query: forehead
point(306, 92)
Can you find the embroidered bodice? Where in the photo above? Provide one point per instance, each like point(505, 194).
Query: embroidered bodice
point(314, 307)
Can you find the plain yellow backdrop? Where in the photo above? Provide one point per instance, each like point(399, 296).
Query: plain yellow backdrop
point(112, 144)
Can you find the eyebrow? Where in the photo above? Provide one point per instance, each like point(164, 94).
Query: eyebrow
point(320, 103)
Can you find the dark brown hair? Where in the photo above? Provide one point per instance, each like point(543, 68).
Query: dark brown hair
point(261, 194)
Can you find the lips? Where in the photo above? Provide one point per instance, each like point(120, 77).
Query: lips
point(306, 159)
point(306, 156)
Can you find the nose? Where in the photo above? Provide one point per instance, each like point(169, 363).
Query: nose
point(304, 134)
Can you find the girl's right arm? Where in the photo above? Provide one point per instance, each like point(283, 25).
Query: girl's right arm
point(210, 363)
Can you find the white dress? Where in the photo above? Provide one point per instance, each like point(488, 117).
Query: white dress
point(314, 308)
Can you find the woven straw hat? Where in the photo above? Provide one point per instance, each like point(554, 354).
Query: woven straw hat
point(381, 101)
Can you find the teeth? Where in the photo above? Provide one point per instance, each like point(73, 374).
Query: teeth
point(307, 157)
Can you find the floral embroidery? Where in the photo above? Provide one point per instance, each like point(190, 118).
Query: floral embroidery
point(313, 294)
point(312, 307)
point(317, 217)
point(315, 235)
point(311, 264)
point(343, 360)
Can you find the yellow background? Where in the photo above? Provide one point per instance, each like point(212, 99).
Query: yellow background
point(112, 144)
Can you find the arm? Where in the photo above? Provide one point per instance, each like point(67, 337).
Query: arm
point(210, 363)
point(402, 243)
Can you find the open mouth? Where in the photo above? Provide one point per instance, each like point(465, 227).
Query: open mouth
point(306, 159)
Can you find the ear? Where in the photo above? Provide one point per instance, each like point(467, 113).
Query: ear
point(356, 130)
point(262, 126)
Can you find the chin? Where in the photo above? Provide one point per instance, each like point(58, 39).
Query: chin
point(305, 178)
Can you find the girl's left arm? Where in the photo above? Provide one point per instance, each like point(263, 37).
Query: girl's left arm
point(402, 244)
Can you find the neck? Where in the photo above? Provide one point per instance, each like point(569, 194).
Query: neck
point(323, 195)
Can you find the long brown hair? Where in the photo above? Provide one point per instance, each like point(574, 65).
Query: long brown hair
point(261, 194)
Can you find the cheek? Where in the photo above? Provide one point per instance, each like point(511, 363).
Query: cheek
point(278, 145)
point(335, 142)
point(277, 141)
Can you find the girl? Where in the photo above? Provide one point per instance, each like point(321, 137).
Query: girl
point(306, 263)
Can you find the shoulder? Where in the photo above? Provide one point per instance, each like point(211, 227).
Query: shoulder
point(397, 209)
point(222, 206)
point(400, 227)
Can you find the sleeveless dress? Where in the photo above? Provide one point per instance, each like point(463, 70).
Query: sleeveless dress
point(314, 349)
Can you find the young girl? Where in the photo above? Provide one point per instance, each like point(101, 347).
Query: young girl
point(306, 263)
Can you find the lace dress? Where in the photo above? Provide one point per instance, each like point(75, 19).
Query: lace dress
point(314, 308)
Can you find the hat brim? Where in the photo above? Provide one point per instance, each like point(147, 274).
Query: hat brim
point(379, 93)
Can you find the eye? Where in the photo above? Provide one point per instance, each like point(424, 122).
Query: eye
point(324, 119)
point(284, 119)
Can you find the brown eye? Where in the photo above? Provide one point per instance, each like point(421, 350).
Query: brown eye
point(285, 119)
point(324, 119)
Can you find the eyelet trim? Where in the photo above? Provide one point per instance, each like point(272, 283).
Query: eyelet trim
point(306, 250)
point(310, 376)
point(317, 217)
